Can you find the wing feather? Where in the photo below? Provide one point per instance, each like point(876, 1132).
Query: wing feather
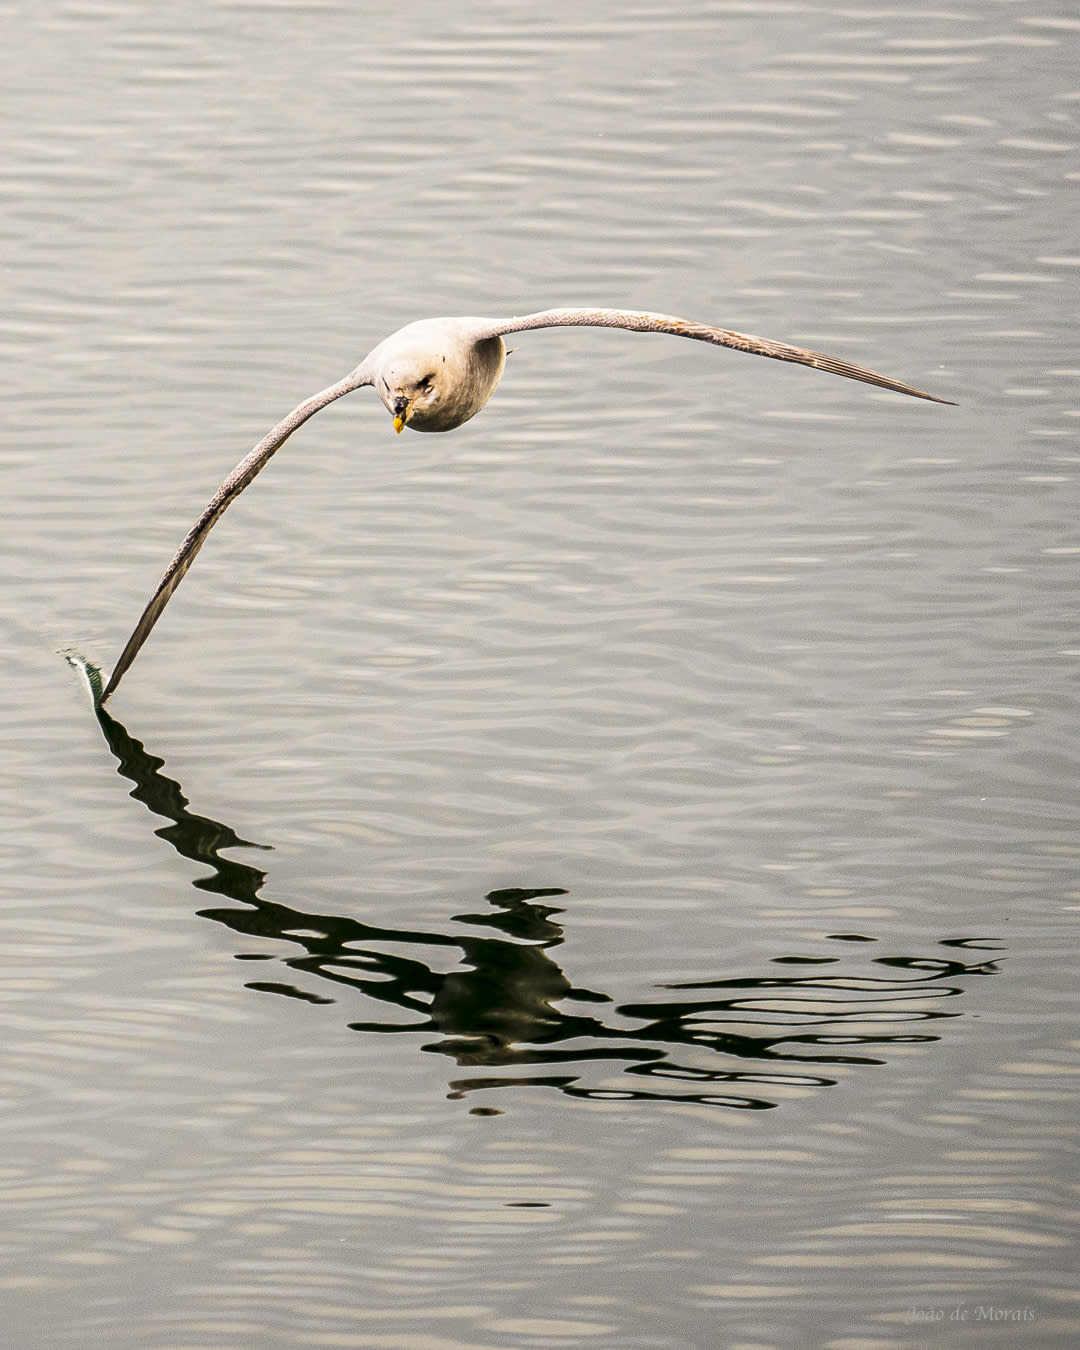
point(641, 321)
point(249, 467)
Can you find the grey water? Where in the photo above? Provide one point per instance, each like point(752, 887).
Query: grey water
point(605, 876)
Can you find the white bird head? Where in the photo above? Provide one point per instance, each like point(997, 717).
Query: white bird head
point(435, 374)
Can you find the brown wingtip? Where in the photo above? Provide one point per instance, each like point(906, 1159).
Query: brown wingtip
point(921, 393)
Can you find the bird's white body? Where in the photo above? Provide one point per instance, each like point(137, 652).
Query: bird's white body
point(435, 374)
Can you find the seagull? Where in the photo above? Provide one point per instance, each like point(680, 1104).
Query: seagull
point(433, 375)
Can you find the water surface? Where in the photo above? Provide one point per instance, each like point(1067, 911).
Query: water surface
point(606, 876)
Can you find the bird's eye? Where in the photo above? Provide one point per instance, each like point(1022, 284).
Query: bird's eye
point(425, 383)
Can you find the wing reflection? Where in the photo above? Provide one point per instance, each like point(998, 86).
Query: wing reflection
point(506, 1003)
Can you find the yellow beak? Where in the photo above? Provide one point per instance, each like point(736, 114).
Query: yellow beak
point(402, 412)
point(399, 423)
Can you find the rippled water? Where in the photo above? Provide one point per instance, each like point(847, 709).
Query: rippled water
point(606, 876)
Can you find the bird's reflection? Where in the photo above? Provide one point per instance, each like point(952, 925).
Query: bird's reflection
point(507, 1011)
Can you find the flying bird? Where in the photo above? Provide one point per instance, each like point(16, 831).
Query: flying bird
point(435, 374)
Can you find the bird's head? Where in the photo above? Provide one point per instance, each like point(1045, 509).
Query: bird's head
point(410, 391)
point(434, 374)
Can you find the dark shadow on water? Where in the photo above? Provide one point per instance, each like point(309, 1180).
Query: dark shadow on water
point(509, 1014)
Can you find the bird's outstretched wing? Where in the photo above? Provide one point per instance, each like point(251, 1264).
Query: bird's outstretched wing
point(237, 481)
point(640, 321)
